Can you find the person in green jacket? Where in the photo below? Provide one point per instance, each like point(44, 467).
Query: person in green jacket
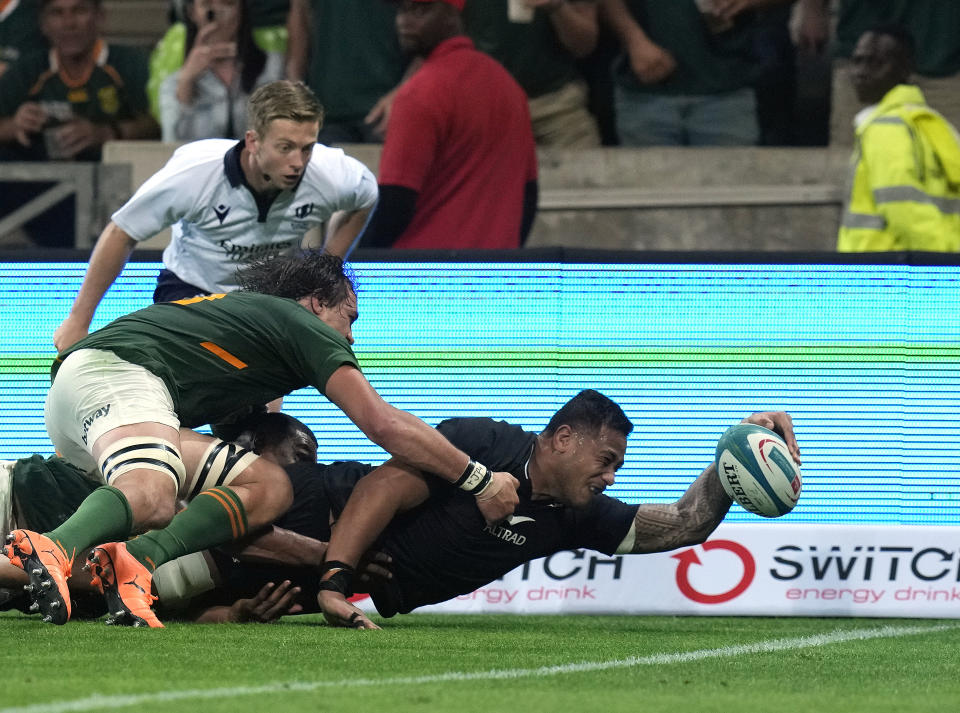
point(905, 168)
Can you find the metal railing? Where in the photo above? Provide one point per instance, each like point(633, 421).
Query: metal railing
point(98, 188)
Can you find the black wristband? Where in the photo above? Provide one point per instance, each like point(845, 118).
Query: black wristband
point(336, 577)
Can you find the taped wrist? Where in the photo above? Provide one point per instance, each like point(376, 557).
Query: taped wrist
point(337, 577)
point(475, 478)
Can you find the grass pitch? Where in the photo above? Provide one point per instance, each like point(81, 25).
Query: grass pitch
point(486, 663)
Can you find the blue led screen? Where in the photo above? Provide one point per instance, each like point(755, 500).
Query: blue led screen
point(865, 358)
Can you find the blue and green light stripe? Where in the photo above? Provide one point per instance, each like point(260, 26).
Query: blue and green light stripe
point(865, 357)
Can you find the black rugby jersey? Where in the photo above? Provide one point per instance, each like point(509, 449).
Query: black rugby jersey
point(443, 548)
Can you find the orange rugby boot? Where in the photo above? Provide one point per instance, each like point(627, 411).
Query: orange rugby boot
point(48, 568)
point(125, 583)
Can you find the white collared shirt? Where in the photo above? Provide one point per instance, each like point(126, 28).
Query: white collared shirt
point(216, 222)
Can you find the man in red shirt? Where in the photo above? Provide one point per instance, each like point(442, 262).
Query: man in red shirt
point(459, 167)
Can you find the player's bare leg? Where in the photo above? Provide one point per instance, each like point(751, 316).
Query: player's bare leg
point(251, 492)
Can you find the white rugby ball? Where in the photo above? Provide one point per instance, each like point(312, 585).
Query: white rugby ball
point(757, 470)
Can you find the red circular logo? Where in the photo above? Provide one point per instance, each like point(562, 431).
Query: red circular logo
point(688, 558)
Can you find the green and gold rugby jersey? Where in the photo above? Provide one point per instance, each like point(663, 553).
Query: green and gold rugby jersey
point(222, 353)
point(112, 88)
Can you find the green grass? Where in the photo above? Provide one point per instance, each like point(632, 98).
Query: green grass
point(300, 665)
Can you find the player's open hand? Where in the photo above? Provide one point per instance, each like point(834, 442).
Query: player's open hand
point(269, 604)
point(499, 499)
point(339, 612)
point(779, 422)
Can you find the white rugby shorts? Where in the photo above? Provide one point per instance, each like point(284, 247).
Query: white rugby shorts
point(96, 391)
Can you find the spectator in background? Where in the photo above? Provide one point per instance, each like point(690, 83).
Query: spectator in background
point(267, 19)
point(686, 75)
point(19, 31)
point(66, 103)
point(207, 97)
point(539, 43)
point(349, 55)
point(905, 193)
point(934, 26)
point(459, 166)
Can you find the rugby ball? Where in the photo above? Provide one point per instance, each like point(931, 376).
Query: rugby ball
point(757, 470)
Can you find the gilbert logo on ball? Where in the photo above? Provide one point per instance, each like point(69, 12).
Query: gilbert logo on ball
point(757, 470)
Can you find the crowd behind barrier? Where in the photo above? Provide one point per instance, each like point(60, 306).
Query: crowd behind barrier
point(705, 199)
point(774, 199)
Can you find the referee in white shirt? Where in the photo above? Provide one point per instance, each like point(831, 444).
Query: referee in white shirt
point(230, 202)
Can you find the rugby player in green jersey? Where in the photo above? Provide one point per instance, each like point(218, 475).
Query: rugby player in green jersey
point(125, 398)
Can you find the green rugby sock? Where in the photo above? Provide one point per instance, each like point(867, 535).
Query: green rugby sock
point(214, 517)
point(103, 516)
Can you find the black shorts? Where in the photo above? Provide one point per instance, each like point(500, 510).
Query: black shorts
point(171, 288)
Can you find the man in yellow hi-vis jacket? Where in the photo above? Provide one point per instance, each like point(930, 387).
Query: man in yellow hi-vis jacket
point(905, 187)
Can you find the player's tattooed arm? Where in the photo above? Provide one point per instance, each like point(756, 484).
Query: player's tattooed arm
point(688, 521)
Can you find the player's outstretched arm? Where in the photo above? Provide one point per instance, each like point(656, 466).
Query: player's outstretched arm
point(407, 438)
point(692, 518)
point(109, 255)
point(688, 521)
point(377, 498)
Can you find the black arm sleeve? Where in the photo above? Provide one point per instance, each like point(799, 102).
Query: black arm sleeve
point(390, 217)
point(531, 194)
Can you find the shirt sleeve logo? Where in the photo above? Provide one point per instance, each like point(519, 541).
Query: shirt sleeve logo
point(221, 211)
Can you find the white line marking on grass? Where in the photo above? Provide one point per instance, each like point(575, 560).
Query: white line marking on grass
point(98, 703)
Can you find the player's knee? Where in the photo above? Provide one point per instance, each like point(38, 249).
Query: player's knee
point(157, 516)
point(151, 498)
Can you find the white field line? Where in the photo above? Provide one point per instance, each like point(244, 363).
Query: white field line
point(100, 703)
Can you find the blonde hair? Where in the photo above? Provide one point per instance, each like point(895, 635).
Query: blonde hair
point(282, 99)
